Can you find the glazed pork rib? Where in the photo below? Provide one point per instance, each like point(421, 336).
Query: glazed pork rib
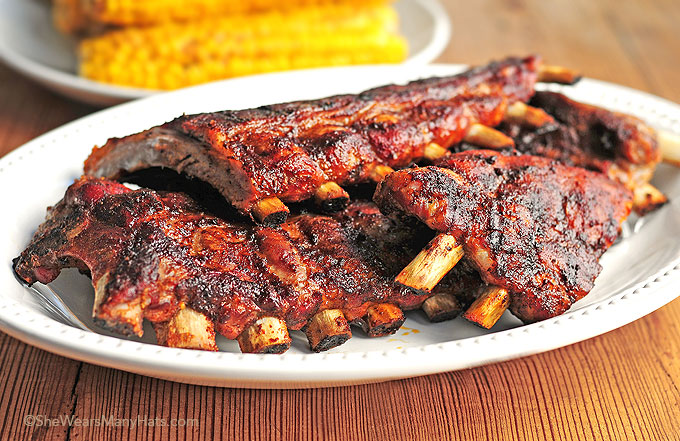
point(155, 255)
point(532, 227)
point(290, 152)
point(621, 146)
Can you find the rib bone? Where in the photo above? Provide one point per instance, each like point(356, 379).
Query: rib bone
point(484, 136)
point(669, 144)
point(383, 319)
point(488, 308)
point(379, 172)
point(270, 211)
point(188, 329)
point(434, 151)
point(520, 113)
point(432, 263)
point(557, 74)
point(441, 307)
point(327, 329)
point(331, 197)
point(647, 198)
point(267, 335)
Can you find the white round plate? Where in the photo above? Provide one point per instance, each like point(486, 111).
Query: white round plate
point(30, 44)
point(641, 272)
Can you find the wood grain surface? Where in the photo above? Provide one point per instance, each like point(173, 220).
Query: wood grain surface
point(624, 385)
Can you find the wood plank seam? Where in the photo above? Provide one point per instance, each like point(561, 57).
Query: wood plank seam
point(74, 399)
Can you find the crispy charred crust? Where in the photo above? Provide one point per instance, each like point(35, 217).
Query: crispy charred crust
point(619, 145)
point(528, 224)
point(331, 341)
point(603, 133)
point(289, 150)
point(275, 219)
point(150, 253)
point(166, 147)
point(340, 258)
point(334, 204)
point(117, 327)
point(275, 349)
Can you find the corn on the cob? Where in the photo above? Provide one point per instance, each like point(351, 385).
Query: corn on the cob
point(177, 55)
point(76, 16)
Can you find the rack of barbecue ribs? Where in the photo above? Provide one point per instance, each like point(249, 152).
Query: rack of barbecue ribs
point(534, 228)
point(260, 158)
point(516, 231)
point(155, 255)
point(621, 146)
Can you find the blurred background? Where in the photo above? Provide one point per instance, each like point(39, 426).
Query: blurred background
point(170, 44)
point(103, 52)
point(107, 51)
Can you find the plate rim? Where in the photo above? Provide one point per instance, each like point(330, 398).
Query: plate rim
point(255, 370)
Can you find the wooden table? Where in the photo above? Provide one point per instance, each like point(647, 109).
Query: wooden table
point(622, 385)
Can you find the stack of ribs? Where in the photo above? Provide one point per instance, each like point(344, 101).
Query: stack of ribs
point(521, 223)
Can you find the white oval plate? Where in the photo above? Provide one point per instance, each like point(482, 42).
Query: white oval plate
point(30, 44)
point(641, 273)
